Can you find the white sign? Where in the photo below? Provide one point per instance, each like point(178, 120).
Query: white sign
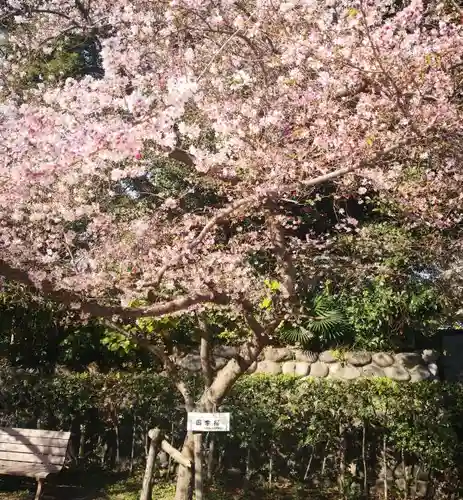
point(208, 422)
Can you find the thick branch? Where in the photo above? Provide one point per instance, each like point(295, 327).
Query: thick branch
point(261, 197)
point(157, 351)
point(205, 354)
point(283, 257)
point(247, 355)
point(94, 308)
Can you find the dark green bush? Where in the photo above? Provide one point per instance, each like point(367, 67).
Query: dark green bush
point(314, 429)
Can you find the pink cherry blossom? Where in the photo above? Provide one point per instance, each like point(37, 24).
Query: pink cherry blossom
point(294, 93)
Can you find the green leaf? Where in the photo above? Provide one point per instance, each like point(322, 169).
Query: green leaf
point(273, 285)
point(266, 303)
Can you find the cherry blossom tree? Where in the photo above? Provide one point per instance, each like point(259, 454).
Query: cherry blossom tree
point(255, 101)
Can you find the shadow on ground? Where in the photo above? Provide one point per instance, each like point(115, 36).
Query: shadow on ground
point(99, 485)
point(73, 486)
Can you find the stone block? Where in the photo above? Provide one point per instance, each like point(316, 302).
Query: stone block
point(278, 354)
point(372, 370)
point(301, 369)
point(190, 362)
point(252, 368)
point(220, 362)
point(318, 369)
point(419, 373)
point(358, 358)
point(269, 367)
point(382, 359)
point(287, 368)
point(306, 356)
point(408, 359)
point(344, 371)
point(432, 367)
point(421, 489)
point(327, 357)
point(401, 484)
point(430, 356)
point(225, 351)
point(397, 372)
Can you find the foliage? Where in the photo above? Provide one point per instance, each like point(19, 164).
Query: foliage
point(286, 417)
point(321, 326)
point(385, 315)
point(38, 334)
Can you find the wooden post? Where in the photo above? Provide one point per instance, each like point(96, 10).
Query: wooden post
point(155, 435)
point(38, 493)
point(199, 489)
point(175, 454)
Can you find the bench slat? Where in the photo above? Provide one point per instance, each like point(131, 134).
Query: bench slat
point(34, 433)
point(35, 441)
point(33, 458)
point(27, 470)
point(33, 449)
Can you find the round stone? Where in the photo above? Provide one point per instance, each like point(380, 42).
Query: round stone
point(301, 369)
point(252, 368)
point(270, 367)
point(419, 373)
point(306, 356)
point(190, 362)
point(372, 370)
point(287, 368)
point(327, 357)
point(397, 372)
point(430, 356)
point(358, 358)
point(421, 489)
point(344, 371)
point(318, 369)
point(278, 354)
point(433, 369)
point(225, 351)
point(409, 359)
point(382, 359)
point(220, 362)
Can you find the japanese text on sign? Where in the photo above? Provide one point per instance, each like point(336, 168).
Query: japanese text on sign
point(208, 422)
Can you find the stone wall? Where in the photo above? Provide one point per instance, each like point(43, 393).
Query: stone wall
point(343, 365)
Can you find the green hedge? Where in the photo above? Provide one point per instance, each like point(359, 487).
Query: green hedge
point(310, 429)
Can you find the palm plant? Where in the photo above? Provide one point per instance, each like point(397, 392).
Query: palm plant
point(320, 323)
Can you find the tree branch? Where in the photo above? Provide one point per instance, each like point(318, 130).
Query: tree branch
point(157, 351)
point(205, 353)
point(94, 308)
point(283, 257)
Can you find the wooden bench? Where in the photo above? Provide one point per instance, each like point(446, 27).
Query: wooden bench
point(32, 453)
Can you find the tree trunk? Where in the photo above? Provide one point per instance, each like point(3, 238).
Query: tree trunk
point(364, 461)
point(82, 441)
point(385, 467)
point(184, 476)
point(342, 461)
point(210, 458)
point(132, 448)
point(215, 390)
